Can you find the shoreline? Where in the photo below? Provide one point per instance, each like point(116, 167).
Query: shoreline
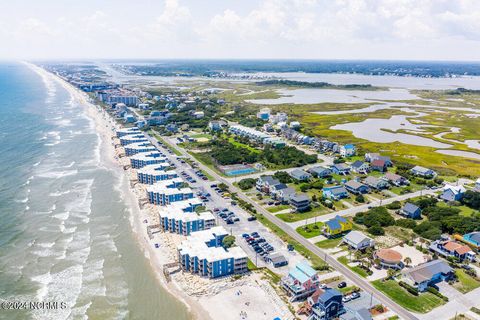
point(103, 128)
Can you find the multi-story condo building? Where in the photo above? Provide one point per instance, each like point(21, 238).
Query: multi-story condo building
point(143, 159)
point(125, 140)
point(154, 173)
point(203, 254)
point(139, 147)
point(128, 132)
point(175, 220)
point(163, 196)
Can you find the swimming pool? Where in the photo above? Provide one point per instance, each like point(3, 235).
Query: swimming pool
point(238, 172)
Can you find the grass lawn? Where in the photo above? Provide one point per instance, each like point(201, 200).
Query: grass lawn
point(464, 210)
point(165, 143)
point(329, 243)
point(310, 230)
point(422, 303)
point(250, 265)
point(314, 260)
point(206, 160)
point(242, 145)
point(465, 282)
point(293, 217)
point(344, 260)
point(278, 208)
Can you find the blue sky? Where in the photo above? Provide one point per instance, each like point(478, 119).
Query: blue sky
point(295, 29)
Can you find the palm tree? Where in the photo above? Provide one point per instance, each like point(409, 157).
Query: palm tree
point(407, 261)
point(391, 273)
point(377, 261)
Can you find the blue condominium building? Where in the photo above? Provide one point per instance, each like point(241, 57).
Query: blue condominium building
point(173, 219)
point(161, 195)
point(125, 140)
point(203, 254)
point(140, 147)
point(128, 132)
point(154, 173)
point(143, 159)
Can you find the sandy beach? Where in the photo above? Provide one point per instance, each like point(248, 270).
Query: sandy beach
point(250, 297)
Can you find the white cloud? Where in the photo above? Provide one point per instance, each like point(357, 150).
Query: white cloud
point(256, 29)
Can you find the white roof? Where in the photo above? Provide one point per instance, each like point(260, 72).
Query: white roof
point(356, 237)
point(150, 169)
point(455, 189)
point(140, 145)
point(168, 191)
point(195, 245)
point(179, 215)
point(145, 156)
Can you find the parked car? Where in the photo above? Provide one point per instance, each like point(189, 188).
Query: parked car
point(252, 218)
point(342, 284)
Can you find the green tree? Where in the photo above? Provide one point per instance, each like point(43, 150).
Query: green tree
point(228, 241)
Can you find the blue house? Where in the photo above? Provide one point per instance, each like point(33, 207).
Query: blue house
point(326, 304)
point(452, 193)
point(320, 172)
point(341, 168)
point(472, 238)
point(335, 193)
point(411, 211)
point(427, 274)
point(356, 187)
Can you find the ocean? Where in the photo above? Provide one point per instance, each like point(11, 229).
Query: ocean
point(65, 233)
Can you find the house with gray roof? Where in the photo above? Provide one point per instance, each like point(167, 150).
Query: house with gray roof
point(300, 202)
point(427, 274)
point(411, 211)
point(358, 240)
point(320, 172)
point(265, 182)
point(423, 172)
point(341, 168)
point(360, 167)
point(395, 179)
point(376, 183)
point(356, 187)
point(276, 259)
point(300, 175)
point(335, 193)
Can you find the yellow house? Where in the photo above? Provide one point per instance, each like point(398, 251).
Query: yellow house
point(337, 226)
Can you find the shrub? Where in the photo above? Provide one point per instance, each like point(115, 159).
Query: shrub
point(406, 223)
point(438, 294)
point(409, 288)
point(247, 183)
point(395, 205)
point(376, 230)
point(360, 198)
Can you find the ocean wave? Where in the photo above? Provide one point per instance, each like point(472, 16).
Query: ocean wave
point(24, 200)
point(57, 174)
point(43, 280)
point(59, 193)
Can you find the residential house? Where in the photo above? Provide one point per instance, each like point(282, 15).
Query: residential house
point(216, 125)
point(378, 165)
point(341, 168)
point(389, 258)
point(295, 125)
point(335, 193)
point(395, 179)
point(347, 150)
point(376, 183)
point(198, 114)
point(477, 185)
point(362, 314)
point(411, 211)
point(284, 195)
point(337, 226)
point(452, 193)
point(301, 281)
point(427, 274)
point(275, 189)
point(358, 240)
point(265, 182)
point(264, 114)
point(423, 172)
point(300, 202)
point(325, 304)
point(356, 187)
point(276, 259)
point(320, 172)
point(370, 157)
point(472, 238)
point(300, 175)
point(360, 167)
point(449, 248)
